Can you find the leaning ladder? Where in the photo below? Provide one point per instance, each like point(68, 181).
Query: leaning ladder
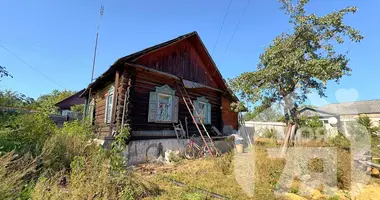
point(187, 99)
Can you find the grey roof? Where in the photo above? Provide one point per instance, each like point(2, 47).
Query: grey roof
point(351, 108)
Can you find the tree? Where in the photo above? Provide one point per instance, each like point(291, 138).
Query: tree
point(15, 99)
point(46, 103)
point(4, 72)
point(271, 114)
point(299, 62)
point(366, 122)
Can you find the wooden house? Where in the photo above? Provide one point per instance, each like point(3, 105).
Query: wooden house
point(143, 90)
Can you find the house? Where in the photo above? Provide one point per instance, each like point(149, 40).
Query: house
point(345, 112)
point(146, 89)
point(65, 105)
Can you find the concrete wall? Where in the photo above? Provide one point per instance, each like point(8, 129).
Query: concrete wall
point(258, 128)
point(136, 151)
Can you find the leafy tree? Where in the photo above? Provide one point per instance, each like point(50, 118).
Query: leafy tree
point(270, 114)
point(300, 61)
point(4, 72)
point(14, 99)
point(46, 103)
point(366, 122)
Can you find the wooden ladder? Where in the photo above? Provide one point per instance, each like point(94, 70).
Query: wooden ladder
point(186, 98)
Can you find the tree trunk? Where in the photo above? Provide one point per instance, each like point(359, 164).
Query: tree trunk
point(289, 135)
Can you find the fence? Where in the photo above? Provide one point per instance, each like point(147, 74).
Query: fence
point(258, 129)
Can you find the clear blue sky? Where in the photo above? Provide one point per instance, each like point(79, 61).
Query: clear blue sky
point(57, 38)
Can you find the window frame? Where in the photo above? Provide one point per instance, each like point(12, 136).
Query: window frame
point(170, 111)
point(109, 105)
point(207, 114)
point(154, 102)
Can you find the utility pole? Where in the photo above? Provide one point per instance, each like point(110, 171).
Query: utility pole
point(96, 47)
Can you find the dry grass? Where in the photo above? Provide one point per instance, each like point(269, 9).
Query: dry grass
point(217, 175)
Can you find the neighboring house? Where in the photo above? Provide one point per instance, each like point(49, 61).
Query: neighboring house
point(142, 90)
point(344, 112)
point(65, 105)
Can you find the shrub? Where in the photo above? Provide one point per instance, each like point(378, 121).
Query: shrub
point(270, 133)
point(95, 173)
point(28, 133)
point(340, 141)
point(61, 148)
point(92, 177)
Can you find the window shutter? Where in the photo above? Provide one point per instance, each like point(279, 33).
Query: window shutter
point(195, 103)
point(152, 112)
point(106, 109)
point(208, 113)
point(175, 110)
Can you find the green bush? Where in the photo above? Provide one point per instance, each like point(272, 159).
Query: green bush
point(340, 141)
point(270, 133)
point(27, 134)
point(92, 177)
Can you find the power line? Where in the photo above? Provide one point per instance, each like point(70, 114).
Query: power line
point(221, 28)
point(237, 26)
point(51, 80)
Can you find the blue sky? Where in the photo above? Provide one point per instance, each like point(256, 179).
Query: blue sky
point(57, 38)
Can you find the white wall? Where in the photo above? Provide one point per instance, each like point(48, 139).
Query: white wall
point(258, 128)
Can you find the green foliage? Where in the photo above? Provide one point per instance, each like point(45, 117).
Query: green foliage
point(193, 196)
point(27, 133)
point(93, 177)
point(270, 133)
point(299, 62)
point(78, 108)
point(366, 122)
point(46, 103)
point(118, 161)
point(311, 122)
point(270, 114)
point(4, 72)
point(14, 99)
point(310, 126)
point(61, 148)
point(340, 141)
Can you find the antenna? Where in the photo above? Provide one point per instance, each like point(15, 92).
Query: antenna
point(94, 60)
point(96, 42)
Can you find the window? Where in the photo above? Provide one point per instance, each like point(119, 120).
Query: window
point(109, 100)
point(203, 108)
point(163, 105)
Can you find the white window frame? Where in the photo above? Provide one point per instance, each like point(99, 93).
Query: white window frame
point(154, 102)
point(170, 111)
point(206, 118)
point(108, 106)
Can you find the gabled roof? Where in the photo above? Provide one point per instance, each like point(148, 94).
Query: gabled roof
point(72, 100)
point(350, 108)
point(130, 59)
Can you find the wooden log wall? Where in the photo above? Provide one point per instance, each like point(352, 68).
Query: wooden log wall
point(179, 59)
point(146, 82)
point(100, 106)
point(229, 117)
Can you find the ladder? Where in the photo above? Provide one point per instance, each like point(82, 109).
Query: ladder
point(179, 131)
point(187, 100)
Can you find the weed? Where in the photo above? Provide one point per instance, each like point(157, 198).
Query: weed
point(224, 163)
